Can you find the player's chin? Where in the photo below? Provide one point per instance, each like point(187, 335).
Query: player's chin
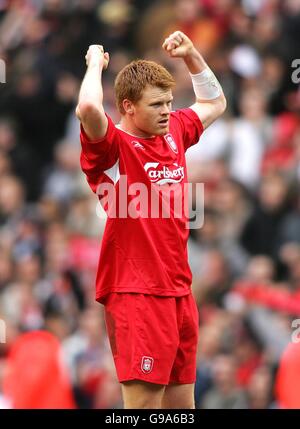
point(162, 129)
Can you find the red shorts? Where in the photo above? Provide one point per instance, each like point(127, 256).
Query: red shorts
point(153, 338)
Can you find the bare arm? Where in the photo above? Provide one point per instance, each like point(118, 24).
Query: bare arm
point(90, 109)
point(178, 45)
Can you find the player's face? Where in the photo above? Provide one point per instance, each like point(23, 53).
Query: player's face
point(151, 114)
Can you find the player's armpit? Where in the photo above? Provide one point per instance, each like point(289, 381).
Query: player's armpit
point(209, 111)
point(92, 119)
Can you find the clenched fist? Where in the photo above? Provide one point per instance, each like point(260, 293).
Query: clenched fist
point(96, 53)
point(178, 45)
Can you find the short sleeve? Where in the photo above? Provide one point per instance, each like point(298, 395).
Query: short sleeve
point(99, 155)
point(190, 126)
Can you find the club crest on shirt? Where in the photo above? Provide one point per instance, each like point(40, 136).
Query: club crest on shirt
point(147, 364)
point(171, 142)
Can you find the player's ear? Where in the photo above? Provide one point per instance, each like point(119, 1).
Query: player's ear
point(128, 106)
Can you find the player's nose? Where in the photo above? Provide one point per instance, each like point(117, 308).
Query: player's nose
point(165, 110)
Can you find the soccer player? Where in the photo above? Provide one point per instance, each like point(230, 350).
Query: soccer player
point(143, 279)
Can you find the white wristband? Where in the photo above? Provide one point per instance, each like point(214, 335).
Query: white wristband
point(206, 85)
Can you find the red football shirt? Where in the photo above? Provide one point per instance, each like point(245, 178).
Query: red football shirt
point(142, 253)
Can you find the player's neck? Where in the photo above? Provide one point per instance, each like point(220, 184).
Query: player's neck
point(129, 128)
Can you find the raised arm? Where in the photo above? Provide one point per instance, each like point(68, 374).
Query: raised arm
point(90, 109)
point(210, 100)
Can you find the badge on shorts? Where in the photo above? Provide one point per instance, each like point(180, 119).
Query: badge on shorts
point(147, 364)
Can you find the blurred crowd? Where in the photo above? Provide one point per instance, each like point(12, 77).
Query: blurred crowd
point(245, 259)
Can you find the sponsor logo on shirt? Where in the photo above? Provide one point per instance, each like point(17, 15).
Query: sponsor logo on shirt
point(171, 142)
point(147, 364)
point(161, 174)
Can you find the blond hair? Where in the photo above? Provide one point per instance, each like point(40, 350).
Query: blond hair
point(133, 79)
